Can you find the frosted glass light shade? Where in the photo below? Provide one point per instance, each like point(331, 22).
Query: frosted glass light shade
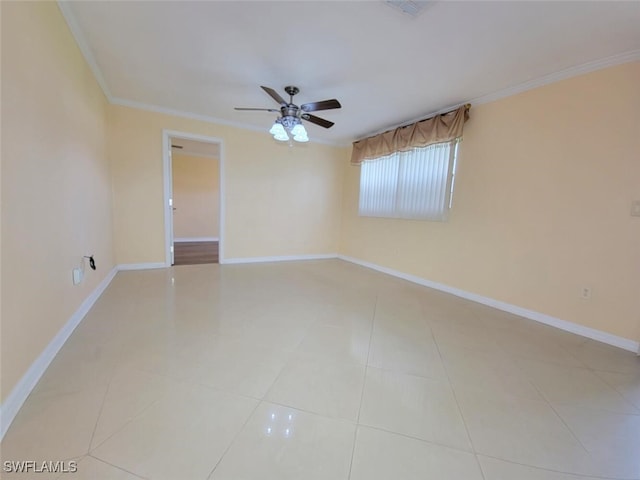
point(282, 137)
point(298, 130)
point(277, 129)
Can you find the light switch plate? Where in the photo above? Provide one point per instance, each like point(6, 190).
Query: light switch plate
point(635, 208)
point(77, 276)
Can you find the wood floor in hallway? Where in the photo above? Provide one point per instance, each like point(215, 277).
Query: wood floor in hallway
point(195, 253)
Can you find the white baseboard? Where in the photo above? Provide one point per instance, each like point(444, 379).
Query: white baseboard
point(588, 332)
point(196, 239)
point(10, 407)
point(284, 258)
point(140, 266)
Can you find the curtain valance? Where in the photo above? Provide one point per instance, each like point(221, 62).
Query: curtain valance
point(437, 129)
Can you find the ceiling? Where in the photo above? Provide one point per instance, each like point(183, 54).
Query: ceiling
point(386, 68)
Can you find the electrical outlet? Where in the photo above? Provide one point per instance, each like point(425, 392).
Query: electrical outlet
point(635, 208)
point(586, 293)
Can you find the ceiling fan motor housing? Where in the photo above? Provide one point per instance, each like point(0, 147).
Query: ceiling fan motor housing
point(291, 90)
point(290, 110)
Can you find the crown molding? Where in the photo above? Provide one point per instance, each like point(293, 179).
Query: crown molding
point(576, 70)
point(611, 61)
point(149, 107)
point(83, 45)
point(203, 118)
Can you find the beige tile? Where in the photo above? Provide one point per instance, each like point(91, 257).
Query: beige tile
point(130, 393)
point(280, 443)
point(399, 309)
point(522, 344)
point(354, 311)
point(79, 366)
point(54, 427)
point(612, 439)
point(523, 431)
point(183, 435)
point(627, 384)
point(339, 343)
point(178, 348)
point(401, 319)
point(465, 335)
point(414, 406)
point(320, 386)
point(486, 371)
point(575, 386)
point(405, 354)
point(162, 355)
point(239, 366)
point(495, 469)
point(382, 455)
point(603, 357)
point(277, 336)
point(90, 468)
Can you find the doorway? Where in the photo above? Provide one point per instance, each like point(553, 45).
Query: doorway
point(193, 199)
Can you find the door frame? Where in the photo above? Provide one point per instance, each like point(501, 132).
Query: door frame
point(167, 135)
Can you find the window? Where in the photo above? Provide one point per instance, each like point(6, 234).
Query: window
point(416, 185)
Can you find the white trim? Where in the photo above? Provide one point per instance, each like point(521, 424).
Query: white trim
point(168, 234)
point(140, 266)
point(282, 258)
point(10, 407)
point(123, 102)
point(196, 239)
point(612, 61)
point(581, 330)
point(83, 45)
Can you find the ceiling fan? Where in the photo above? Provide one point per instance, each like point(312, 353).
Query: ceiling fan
point(291, 114)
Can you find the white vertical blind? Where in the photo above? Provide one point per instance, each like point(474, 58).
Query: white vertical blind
point(378, 186)
point(412, 185)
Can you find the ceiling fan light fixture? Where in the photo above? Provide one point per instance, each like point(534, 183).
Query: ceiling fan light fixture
point(299, 130)
point(289, 124)
point(278, 132)
point(277, 129)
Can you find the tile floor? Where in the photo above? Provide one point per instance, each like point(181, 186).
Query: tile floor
point(324, 370)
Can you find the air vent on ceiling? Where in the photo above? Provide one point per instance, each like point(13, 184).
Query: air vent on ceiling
point(408, 7)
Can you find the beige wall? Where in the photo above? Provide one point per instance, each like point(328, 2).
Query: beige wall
point(56, 188)
point(541, 207)
point(196, 196)
point(279, 200)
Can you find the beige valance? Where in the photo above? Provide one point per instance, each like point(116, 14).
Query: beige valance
point(438, 129)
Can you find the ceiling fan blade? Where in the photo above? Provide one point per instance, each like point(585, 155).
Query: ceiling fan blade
point(257, 109)
point(273, 94)
point(317, 120)
point(323, 105)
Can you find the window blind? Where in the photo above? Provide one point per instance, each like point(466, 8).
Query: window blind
point(413, 185)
